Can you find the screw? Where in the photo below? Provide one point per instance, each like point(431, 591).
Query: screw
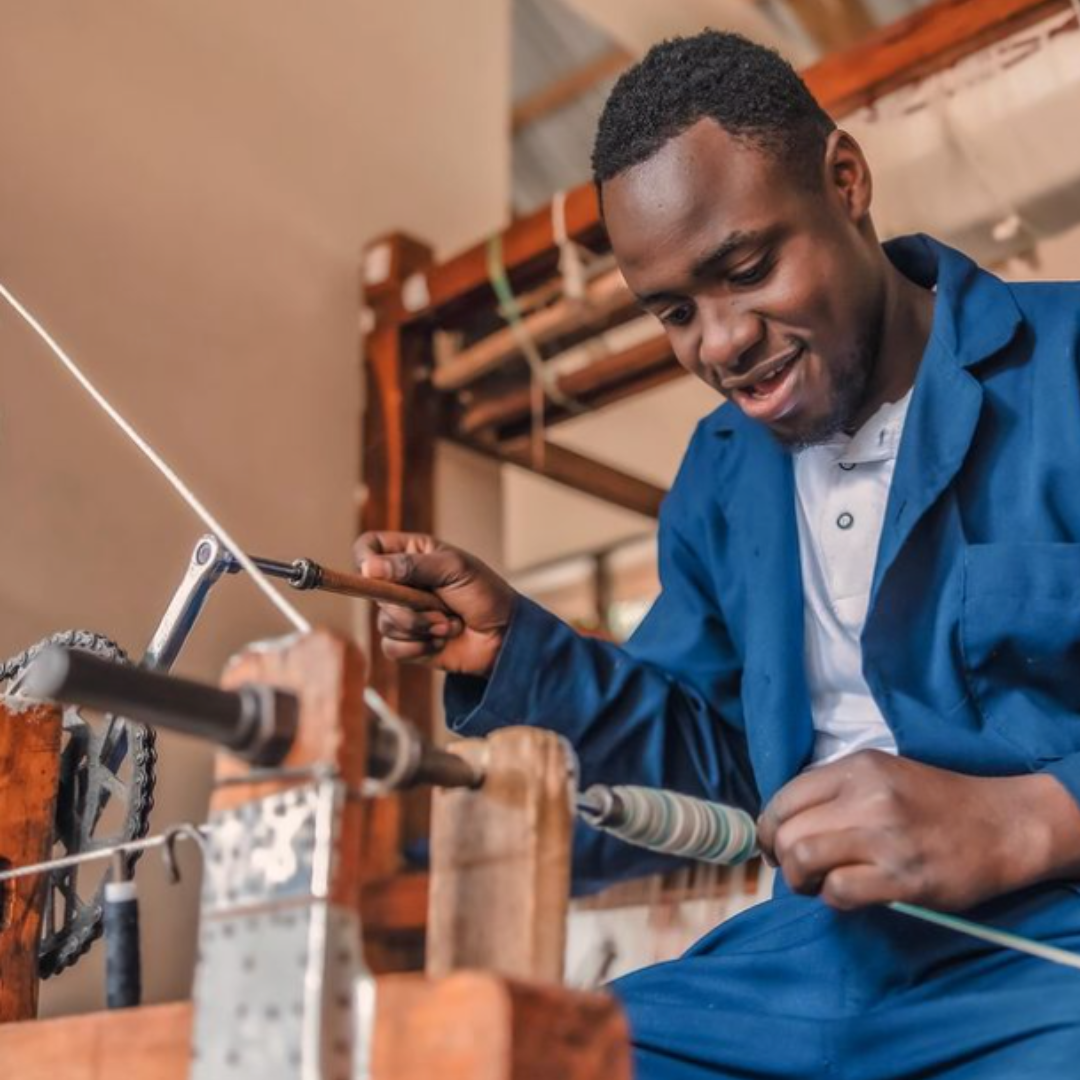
point(203, 553)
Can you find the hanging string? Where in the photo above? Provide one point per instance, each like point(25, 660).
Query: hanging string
point(511, 312)
point(571, 263)
point(294, 617)
point(542, 382)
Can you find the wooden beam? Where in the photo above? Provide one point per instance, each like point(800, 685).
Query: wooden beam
point(584, 474)
point(470, 1026)
point(475, 1026)
point(149, 1043)
point(606, 297)
point(528, 251)
point(507, 414)
point(566, 90)
point(833, 24)
point(911, 49)
point(30, 739)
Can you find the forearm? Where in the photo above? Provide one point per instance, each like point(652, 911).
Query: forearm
point(628, 720)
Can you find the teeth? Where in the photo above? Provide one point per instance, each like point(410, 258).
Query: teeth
point(755, 392)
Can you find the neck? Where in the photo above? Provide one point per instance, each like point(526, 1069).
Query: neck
point(907, 315)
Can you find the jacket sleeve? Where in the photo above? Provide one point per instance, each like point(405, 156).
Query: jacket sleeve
point(662, 710)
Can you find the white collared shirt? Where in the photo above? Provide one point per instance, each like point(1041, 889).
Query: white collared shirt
point(842, 487)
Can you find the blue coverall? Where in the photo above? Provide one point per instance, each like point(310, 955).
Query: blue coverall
point(971, 649)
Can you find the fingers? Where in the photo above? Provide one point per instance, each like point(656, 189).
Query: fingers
point(411, 651)
point(806, 791)
point(402, 624)
point(410, 559)
point(386, 542)
point(851, 887)
point(408, 635)
point(808, 861)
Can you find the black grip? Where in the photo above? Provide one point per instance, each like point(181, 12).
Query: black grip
point(255, 722)
point(123, 961)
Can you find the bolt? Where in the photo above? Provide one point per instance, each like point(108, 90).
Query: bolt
point(203, 552)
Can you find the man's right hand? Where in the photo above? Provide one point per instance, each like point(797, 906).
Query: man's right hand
point(468, 640)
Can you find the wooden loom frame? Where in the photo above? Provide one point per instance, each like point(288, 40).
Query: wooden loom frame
point(409, 297)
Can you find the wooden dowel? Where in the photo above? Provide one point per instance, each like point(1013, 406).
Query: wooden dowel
point(368, 588)
point(608, 295)
point(586, 386)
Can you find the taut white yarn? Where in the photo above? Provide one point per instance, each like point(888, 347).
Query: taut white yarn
point(294, 617)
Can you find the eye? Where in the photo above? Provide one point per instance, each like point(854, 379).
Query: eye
point(752, 274)
point(680, 315)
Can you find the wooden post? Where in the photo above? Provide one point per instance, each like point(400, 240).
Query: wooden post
point(29, 773)
point(500, 860)
point(398, 470)
point(476, 1026)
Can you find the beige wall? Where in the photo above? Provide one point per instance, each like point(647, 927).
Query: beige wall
point(184, 190)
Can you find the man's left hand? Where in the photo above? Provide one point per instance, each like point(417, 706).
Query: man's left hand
point(872, 828)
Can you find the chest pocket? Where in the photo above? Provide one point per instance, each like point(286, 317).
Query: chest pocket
point(1020, 632)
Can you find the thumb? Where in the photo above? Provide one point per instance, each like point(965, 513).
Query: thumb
point(429, 570)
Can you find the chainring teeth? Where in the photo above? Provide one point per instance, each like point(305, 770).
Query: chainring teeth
point(82, 923)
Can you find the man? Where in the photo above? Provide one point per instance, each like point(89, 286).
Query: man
point(870, 617)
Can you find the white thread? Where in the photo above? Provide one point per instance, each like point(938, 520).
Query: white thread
point(570, 263)
point(297, 620)
point(1001, 938)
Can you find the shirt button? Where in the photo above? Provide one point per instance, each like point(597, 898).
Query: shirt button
point(847, 466)
point(845, 521)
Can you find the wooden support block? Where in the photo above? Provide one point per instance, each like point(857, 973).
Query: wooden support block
point(327, 674)
point(29, 773)
point(475, 1026)
point(148, 1043)
point(470, 1026)
point(500, 860)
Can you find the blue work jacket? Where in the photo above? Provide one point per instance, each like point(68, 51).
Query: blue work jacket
point(971, 645)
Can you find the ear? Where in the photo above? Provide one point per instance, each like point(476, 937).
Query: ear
point(848, 175)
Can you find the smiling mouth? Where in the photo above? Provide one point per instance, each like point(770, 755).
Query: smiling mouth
point(762, 380)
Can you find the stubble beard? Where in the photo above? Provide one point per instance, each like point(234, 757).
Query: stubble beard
point(851, 382)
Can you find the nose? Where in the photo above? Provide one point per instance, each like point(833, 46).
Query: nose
point(728, 334)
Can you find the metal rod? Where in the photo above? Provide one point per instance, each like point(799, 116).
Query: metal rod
point(255, 722)
point(258, 723)
point(400, 754)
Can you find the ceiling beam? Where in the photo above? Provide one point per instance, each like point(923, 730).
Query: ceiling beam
point(507, 413)
point(833, 24)
point(584, 474)
point(566, 90)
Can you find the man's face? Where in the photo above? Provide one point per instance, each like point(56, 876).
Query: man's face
point(767, 288)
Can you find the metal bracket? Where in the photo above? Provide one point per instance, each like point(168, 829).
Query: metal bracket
point(210, 561)
point(280, 981)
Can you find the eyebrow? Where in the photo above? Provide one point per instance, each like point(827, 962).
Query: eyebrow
point(708, 266)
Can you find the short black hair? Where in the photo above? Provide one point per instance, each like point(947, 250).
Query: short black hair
point(748, 89)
